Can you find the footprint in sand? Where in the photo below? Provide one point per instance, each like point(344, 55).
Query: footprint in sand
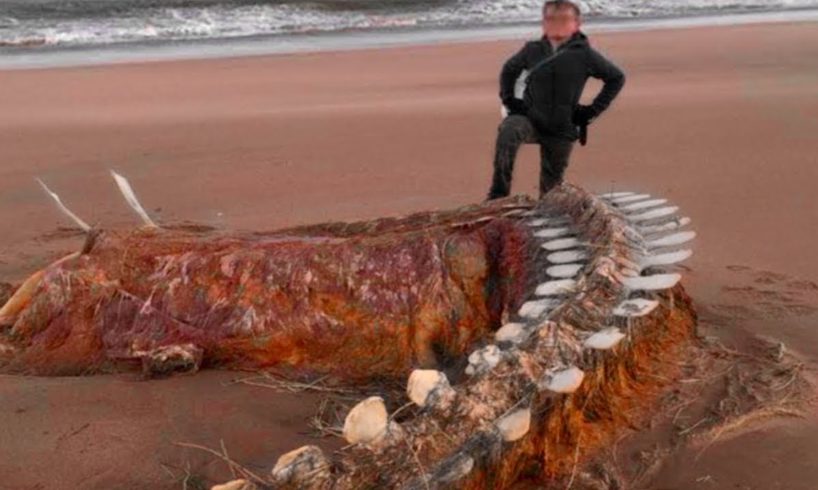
point(767, 294)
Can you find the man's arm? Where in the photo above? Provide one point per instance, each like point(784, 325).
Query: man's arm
point(612, 76)
point(510, 72)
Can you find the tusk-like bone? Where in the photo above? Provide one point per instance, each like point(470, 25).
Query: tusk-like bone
point(76, 219)
point(130, 198)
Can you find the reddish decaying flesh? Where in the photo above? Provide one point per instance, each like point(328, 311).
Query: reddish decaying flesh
point(357, 300)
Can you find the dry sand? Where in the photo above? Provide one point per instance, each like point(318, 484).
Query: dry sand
point(721, 120)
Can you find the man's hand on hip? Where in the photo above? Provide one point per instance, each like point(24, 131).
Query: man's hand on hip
point(583, 114)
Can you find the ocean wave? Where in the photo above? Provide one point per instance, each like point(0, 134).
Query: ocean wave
point(36, 23)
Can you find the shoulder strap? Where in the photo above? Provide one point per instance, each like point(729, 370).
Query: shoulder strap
point(547, 60)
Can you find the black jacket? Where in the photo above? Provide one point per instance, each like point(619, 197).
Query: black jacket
point(553, 90)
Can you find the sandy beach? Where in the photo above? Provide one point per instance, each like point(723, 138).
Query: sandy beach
point(721, 120)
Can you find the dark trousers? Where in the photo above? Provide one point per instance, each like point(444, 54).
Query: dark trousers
point(512, 132)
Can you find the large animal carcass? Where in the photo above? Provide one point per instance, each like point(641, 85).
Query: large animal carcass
point(544, 313)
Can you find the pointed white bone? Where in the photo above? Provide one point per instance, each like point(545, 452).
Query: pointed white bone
point(484, 359)
point(561, 244)
point(76, 219)
point(651, 283)
point(366, 421)
point(604, 339)
point(564, 381)
point(631, 198)
point(653, 214)
point(512, 332)
point(614, 195)
point(515, 425)
point(672, 240)
point(556, 288)
point(635, 307)
point(669, 258)
point(567, 256)
point(422, 382)
point(130, 198)
point(673, 224)
point(535, 309)
point(564, 270)
point(553, 232)
point(651, 203)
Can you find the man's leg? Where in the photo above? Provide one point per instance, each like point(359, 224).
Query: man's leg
point(554, 156)
point(512, 132)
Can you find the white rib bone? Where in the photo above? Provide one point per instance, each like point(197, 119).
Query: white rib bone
point(672, 240)
point(635, 307)
point(653, 214)
point(512, 332)
point(484, 359)
point(76, 219)
point(553, 232)
point(558, 221)
point(556, 288)
point(564, 270)
point(652, 203)
point(651, 283)
point(673, 224)
point(604, 339)
point(614, 195)
point(515, 425)
point(561, 244)
point(534, 309)
point(631, 198)
point(366, 421)
point(669, 258)
point(130, 198)
point(422, 382)
point(567, 256)
point(564, 381)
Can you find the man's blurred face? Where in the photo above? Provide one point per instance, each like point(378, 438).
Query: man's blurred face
point(559, 23)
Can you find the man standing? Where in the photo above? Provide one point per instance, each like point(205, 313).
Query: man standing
point(558, 65)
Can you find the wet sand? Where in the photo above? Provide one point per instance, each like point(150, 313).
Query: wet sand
point(721, 120)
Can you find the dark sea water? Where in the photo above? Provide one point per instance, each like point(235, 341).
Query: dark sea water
point(34, 24)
